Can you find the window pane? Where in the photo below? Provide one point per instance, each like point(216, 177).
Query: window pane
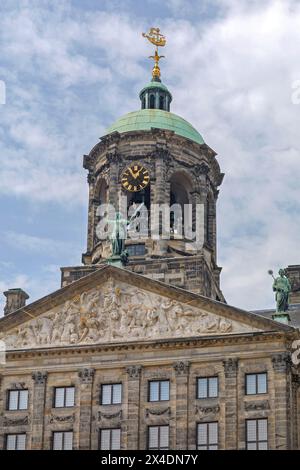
point(115, 439)
point(154, 391)
point(23, 400)
point(21, 442)
point(106, 394)
point(164, 390)
point(262, 430)
point(213, 387)
point(59, 397)
point(213, 447)
point(213, 433)
point(251, 384)
point(57, 440)
point(117, 393)
point(13, 400)
point(11, 442)
point(262, 383)
point(70, 396)
point(202, 434)
point(251, 430)
point(262, 446)
point(251, 446)
point(68, 441)
point(105, 439)
point(202, 388)
point(164, 437)
point(153, 437)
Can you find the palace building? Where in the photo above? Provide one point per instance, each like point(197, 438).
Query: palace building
point(147, 354)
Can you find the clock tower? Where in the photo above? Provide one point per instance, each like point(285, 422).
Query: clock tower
point(155, 159)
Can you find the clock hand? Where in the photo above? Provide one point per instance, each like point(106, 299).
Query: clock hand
point(132, 174)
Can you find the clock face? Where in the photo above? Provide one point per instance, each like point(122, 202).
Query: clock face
point(135, 178)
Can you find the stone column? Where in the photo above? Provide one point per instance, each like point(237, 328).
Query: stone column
point(182, 380)
point(38, 410)
point(294, 415)
point(86, 378)
point(231, 405)
point(113, 159)
point(281, 366)
point(133, 412)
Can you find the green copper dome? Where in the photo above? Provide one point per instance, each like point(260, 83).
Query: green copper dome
point(145, 119)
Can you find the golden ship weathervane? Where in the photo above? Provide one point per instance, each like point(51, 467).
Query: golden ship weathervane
point(155, 37)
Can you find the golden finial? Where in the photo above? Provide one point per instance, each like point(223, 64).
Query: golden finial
point(155, 37)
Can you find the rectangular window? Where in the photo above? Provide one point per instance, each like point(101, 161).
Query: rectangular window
point(159, 390)
point(208, 387)
point(17, 400)
point(257, 434)
point(207, 436)
point(158, 437)
point(256, 383)
point(110, 439)
point(136, 250)
point(64, 397)
point(111, 394)
point(15, 442)
point(63, 440)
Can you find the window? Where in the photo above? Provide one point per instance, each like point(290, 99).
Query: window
point(17, 400)
point(158, 437)
point(161, 102)
point(15, 442)
point(152, 101)
point(63, 440)
point(207, 436)
point(111, 394)
point(208, 387)
point(64, 397)
point(256, 383)
point(136, 250)
point(257, 434)
point(110, 439)
point(159, 390)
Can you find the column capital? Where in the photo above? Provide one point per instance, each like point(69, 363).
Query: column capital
point(181, 367)
point(231, 366)
point(86, 375)
point(134, 372)
point(39, 377)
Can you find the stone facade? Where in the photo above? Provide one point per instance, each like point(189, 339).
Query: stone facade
point(223, 342)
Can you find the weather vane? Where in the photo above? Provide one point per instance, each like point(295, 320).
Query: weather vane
point(155, 37)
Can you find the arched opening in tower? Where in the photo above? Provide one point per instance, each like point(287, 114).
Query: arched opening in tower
point(179, 197)
point(138, 208)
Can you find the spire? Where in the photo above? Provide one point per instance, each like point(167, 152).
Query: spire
point(155, 95)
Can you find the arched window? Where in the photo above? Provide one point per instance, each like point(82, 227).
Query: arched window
point(152, 101)
point(179, 196)
point(161, 102)
point(144, 103)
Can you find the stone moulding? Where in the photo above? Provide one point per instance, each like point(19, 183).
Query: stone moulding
point(61, 419)
point(206, 410)
point(24, 421)
point(117, 414)
point(257, 405)
point(157, 412)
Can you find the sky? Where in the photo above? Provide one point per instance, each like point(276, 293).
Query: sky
point(72, 67)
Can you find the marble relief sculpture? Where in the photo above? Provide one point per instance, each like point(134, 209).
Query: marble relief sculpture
point(113, 313)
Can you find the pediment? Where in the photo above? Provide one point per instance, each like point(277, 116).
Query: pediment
point(118, 311)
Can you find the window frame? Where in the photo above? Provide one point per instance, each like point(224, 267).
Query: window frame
point(111, 393)
point(256, 383)
point(158, 426)
point(110, 437)
point(207, 378)
point(65, 406)
point(159, 381)
point(63, 432)
point(15, 434)
point(16, 390)
point(257, 441)
point(208, 444)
